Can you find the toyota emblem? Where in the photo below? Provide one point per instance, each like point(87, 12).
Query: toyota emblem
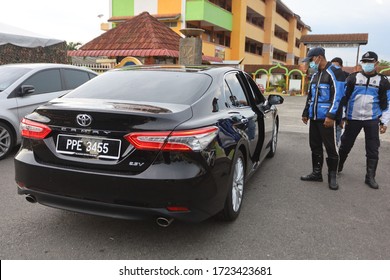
point(84, 119)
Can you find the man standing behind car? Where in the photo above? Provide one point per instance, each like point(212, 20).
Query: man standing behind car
point(325, 91)
point(337, 61)
point(367, 94)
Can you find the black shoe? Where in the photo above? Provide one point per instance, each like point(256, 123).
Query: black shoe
point(332, 173)
point(332, 181)
point(371, 183)
point(370, 176)
point(314, 176)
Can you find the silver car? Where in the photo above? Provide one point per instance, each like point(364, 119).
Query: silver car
point(23, 87)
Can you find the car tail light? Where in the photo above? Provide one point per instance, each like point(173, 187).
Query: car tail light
point(34, 130)
point(185, 140)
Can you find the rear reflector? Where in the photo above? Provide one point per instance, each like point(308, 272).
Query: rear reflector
point(185, 140)
point(178, 209)
point(34, 130)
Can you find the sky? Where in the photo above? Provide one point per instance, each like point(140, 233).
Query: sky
point(348, 16)
point(79, 21)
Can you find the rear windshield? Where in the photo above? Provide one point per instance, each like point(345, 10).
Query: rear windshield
point(9, 74)
point(146, 86)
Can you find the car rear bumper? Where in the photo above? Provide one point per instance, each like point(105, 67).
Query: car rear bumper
point(110, 210)
point(120, 196)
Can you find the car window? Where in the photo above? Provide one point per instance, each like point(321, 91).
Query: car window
point(8, 75)
point(91, 76)
point(146, 86)
point(257, 95)
point(74, 78)
point(45, 81)
point(237, 97)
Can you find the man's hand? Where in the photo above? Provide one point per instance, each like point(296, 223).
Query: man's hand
point(328, 122)
point(382, 129)
point(305, 119)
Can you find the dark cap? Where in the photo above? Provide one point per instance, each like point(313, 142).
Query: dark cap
point(314, 52)
point(369, 57)
point(338, 60)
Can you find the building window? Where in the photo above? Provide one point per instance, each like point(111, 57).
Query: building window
point(297, 42)
point(280, 55)
point(281, 33)
point(282, 11)
point(253, 46)
point(222, 38)
point(254, 18)
point(224, 4)
point(170, 23)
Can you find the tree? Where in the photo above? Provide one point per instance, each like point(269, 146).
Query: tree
point(73, 46)
point(384, 63)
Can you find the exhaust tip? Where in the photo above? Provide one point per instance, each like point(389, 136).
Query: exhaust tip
point(164, 222)
point(31, 198)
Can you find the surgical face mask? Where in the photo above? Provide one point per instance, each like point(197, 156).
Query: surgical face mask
point(368, 67)
point(313, 65)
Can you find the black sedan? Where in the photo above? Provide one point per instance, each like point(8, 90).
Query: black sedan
point(163, 142)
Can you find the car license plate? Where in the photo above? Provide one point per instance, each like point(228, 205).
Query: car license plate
point(88, 146)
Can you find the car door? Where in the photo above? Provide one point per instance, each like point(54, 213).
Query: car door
point(47, 86)
point(243, 117)
point(267, 113)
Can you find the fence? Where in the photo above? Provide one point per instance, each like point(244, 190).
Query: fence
point(99, 68)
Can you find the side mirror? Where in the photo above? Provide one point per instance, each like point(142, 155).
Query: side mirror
point(26, 89)
point(274, 99)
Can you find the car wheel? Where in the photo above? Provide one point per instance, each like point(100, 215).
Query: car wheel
point(7, 140)
point(236, 189)
point(274, 141)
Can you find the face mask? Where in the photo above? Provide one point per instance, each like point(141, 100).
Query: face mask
point(313, 65)
point(368, 67)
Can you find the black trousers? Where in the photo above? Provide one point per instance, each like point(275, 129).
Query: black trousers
point(321, 136)
point(371, 134)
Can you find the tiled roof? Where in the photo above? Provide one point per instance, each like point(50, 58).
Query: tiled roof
point(354, 38)
point(143, 32)
point(158, 16)
point(142, 53)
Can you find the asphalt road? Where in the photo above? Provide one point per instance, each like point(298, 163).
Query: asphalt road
point(282, 217)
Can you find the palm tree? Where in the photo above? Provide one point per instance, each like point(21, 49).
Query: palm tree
point(73, 46)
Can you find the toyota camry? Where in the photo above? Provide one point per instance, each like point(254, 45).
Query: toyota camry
point(138, 142)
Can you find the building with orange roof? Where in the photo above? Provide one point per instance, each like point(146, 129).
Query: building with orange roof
point(254, 31)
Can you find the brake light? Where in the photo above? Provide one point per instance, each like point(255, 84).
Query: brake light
point(185, 140)
point(34, 130)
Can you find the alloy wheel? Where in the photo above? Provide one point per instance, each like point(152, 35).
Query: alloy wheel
point(238, 184)
point(5, 141)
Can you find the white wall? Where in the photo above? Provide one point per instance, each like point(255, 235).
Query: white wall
point(150, 6)
point(295, 84)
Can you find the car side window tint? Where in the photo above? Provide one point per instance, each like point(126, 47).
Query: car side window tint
point(74, 78)
point(237, 98)
point(91, 76)
point(45, 81)
point(257, 95)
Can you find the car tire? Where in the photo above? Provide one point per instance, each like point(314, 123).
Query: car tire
point(7, 140)
point(274, 140)
point(234, 197)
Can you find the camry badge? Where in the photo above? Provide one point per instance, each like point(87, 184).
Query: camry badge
point(84, 119)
